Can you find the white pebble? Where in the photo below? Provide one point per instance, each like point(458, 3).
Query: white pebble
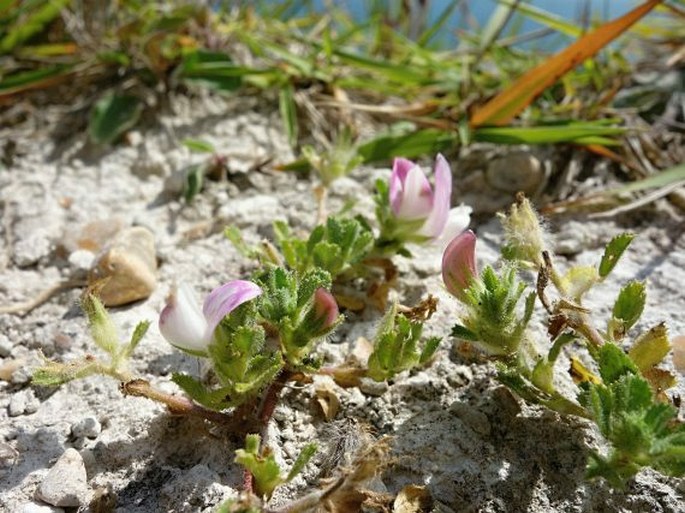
point(65, 485)
point(88, 427)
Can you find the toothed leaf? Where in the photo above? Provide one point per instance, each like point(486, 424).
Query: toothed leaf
point(613, 253)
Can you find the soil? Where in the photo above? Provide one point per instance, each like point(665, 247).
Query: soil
point(454, 428)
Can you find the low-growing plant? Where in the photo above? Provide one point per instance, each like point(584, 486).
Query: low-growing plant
point(620, 388)
point(259, 334)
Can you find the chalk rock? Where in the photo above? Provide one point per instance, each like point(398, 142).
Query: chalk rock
point(22, 402)
point(129, 265)
point(65, 485)
point(6, 346)
point(34, 507)
point(87, 427)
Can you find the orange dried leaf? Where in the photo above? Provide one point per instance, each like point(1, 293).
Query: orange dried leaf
point(502, 109)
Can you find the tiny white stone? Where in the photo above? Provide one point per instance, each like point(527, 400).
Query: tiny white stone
point(5, 346)
point(65, 484)
point(88, 427)
point(82, 259)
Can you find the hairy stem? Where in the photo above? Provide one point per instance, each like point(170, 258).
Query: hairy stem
point(178, 405)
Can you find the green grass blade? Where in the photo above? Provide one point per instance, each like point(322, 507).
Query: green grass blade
point(545, 18)
point(288, 109)
point(662, 179)
point(423, 142)
point(32, 24)
point(495, 24)
point(578, 133)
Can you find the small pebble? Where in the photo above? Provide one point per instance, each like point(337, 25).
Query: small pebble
point(5, 346)
point(516, 171)
point(21, 376)
point(372, 387)
point(82, 260)
point(88, 427)
point(65, 485)
point(129, 263)
point(22, 402)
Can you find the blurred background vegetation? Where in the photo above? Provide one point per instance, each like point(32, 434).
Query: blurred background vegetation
point(366, 81)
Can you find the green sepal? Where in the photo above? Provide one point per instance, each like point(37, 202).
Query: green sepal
point(613, 253)
point(238, 357)
point(315, 279)
point(492, 320)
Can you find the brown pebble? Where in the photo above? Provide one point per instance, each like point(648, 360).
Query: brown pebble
point(129, 266)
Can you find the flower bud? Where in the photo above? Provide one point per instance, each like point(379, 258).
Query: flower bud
point(526, 238)
point(459, 264)
point(190, 329)
point(325, 307)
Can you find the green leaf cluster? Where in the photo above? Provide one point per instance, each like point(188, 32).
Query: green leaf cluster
point(396, 346)
point(334, 247)
point(287, 306)
point(339, 160)
point(241, 362)
point(641, 430)
point(263, 467)
point(493, 321)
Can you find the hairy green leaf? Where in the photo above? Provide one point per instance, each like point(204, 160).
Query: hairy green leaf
point(613, 252)
point(614, 363)
point(629, 305)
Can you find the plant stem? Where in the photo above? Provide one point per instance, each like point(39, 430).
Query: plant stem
point(178, 405)
point(266, 410)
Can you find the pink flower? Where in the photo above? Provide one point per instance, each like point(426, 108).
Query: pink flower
point(190, 329)
point(459, 264)
point(413, 199)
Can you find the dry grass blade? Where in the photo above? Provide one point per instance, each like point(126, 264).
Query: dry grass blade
point(502, 109)
point(660, 184)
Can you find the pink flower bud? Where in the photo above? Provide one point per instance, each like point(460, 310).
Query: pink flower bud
point(190, 329)
point(459, 264)
point(326, 310)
